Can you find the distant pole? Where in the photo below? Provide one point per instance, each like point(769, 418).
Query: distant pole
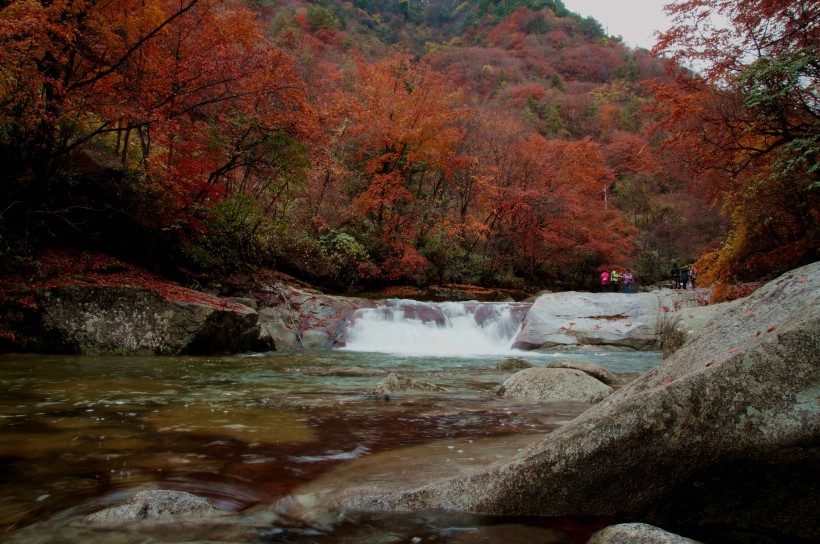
point(606, 206)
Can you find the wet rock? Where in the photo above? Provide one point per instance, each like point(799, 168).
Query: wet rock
point(419, 311)
point(603, 319)
point(292, 318)
point(483, 312)
point(629, 533)
point(554, 384)
point(94, 320)
point(596, 371)
point(158, 504)
point(724, 432)
point(513, 363)
point(395, 383)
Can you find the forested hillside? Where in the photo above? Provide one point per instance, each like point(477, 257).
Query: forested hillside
point(362, 144)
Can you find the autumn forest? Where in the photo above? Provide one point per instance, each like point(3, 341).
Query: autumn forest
point(365, 143)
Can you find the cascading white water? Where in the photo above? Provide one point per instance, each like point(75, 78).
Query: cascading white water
point(442, 329)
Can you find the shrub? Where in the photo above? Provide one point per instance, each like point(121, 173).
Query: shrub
point(236, 232)
point(349, 259)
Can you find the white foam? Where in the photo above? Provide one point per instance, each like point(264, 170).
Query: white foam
point(398, 327)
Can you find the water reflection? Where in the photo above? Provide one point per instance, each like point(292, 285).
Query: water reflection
point(83, 433)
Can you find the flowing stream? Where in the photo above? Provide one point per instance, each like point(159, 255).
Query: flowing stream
point(83, 433)
point(443, 329)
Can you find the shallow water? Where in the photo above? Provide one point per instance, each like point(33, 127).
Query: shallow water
point(83, 433)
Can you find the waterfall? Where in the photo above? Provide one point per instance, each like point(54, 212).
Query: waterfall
point(441, 329)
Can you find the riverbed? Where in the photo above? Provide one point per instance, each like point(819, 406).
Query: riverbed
point(83, 433)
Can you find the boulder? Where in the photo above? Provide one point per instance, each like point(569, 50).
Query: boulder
point(156, 504)
point(626, 320)
point(513, 363)
point(628, 533)
point(596, 371)
point(554, 384)
point(292, 318)
point(681, 325)
point(395, 383)
point(95, 320)
point(725, 432)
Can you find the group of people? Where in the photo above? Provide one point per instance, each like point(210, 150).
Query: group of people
point(683, 276)
point(612, 281)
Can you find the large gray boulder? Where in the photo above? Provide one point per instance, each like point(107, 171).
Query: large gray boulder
point(554, 384)
point(633, 321)
point(93, 320)
point(725, 432)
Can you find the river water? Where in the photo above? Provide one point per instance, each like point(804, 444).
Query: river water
point(83, 433)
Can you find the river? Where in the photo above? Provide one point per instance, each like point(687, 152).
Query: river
point(83, 433)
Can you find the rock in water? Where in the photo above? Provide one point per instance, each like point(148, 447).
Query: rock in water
point(395, 383)
point(157, 504)
point(513, 363)
point(554, 384)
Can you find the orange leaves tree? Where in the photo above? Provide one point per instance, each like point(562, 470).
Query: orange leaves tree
point(185, 97)
point(402, 138)
point(435, 191)
point(543, 205)
point(746, 119)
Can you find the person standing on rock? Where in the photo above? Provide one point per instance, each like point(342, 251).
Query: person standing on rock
point(615, 280)
point(605, 281)
point(675, 276)
point(629, 279)
point(684, 277)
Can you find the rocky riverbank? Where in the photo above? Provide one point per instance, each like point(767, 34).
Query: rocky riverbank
point(114, 309)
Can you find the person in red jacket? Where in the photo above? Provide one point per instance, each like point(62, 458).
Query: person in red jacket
point(605, 281)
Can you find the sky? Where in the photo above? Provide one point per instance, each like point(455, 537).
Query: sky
point(634, 20)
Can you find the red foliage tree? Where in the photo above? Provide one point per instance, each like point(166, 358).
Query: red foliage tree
point(404, 130)
point(747, 121)
point(187, 96)
point(542, 203)
point(590, 62)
